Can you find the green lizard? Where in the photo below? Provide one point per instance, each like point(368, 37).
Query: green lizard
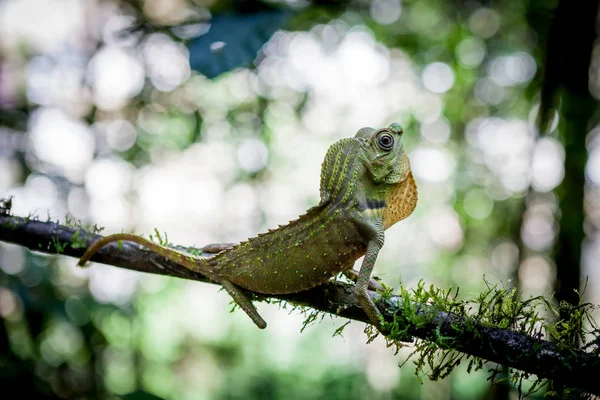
point(366, 187)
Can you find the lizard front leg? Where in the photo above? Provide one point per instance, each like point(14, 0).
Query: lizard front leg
point(374, 232)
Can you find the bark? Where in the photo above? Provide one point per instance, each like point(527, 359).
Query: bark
point(545, 359)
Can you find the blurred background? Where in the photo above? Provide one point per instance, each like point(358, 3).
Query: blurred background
point(209, 120)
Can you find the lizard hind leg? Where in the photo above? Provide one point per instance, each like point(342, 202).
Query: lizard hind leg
point(244, 302)
point(214, 248)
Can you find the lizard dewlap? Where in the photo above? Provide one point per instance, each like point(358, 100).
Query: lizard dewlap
point(402, 200)
point(366, 187)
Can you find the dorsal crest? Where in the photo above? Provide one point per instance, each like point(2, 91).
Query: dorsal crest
point(339, 169)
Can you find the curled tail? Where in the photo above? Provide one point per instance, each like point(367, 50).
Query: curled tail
point(192, 263)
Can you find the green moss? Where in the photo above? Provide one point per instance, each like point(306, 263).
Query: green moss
point(311, 317)
point(77, 224)
point(160, 239)
point(496, 307)
point(340, 330)
point(58, 245)
point(579, 325)
point(387, 292)
point(77, 242)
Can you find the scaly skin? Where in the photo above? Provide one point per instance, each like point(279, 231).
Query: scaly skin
point(366, 187)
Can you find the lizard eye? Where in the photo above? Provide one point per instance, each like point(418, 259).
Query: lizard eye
point(385, 141)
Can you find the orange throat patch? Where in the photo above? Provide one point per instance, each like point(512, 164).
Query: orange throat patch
point(401, 202)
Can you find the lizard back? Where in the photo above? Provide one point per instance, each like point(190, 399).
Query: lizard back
point(311, 249)
point(303, 254)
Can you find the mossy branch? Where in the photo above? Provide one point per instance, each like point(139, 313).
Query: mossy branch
point(439, 329)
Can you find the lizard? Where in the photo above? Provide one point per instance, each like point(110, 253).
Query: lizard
point(366, 186)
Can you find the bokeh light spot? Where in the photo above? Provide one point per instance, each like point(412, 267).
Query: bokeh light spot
point(386, 11)
point(438, 77)
point(536, 273)
point(116, 75)
point(548, 164)
point(108, 178)
point(120, 134)
point(12, 259)
point(432, 164)
point(252, 155)
point(478, 204)
point(437, 132)
point(62, 142)
point(484, 22)
point(444, 228)
point(592, 168)
point(167, 62)
point(471, 52)
point(513, 69)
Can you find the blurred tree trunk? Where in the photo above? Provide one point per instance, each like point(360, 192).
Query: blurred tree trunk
point(567, 65)
point(569, 50)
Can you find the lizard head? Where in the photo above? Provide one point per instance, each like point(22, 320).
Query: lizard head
point(384, 153)
point(388, 164)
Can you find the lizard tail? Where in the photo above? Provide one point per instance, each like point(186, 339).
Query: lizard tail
point(192, 263)
point(195, 264)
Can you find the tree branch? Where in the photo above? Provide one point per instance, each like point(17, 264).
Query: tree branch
point(532, 355)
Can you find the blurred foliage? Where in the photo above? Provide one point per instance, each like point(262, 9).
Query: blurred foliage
point(467, 76)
